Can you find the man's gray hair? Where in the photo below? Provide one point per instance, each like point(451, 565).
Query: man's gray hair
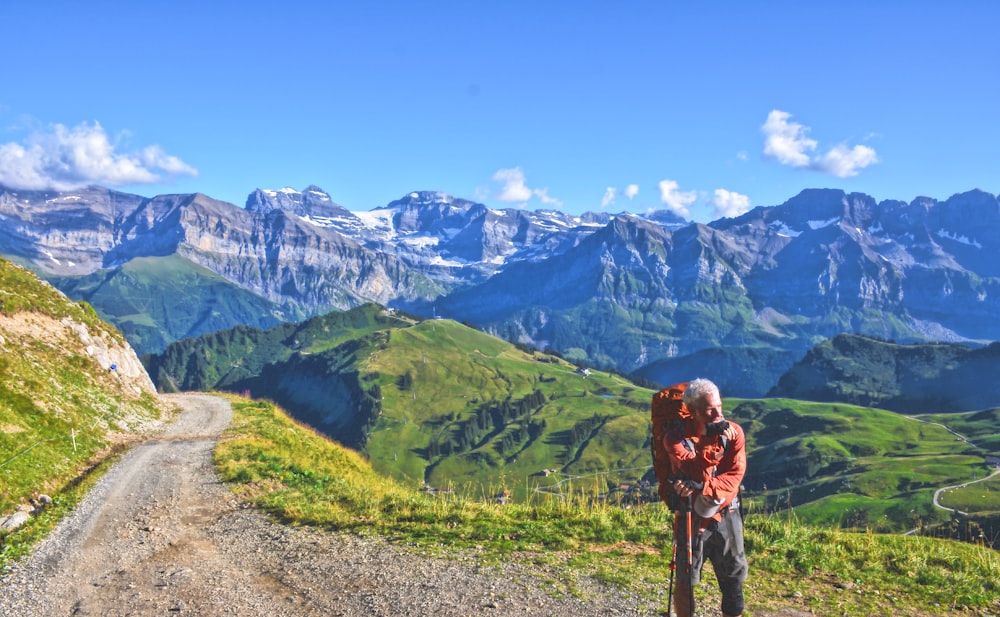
point(698, 389)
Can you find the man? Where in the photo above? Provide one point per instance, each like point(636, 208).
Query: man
point(709, 466)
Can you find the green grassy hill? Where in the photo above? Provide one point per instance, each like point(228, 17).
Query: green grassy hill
point(155, 301)
point(430, 401)
point(460, 408)
point(851, 466)
point(63, 409)
point(979, 427)
point(227, 357)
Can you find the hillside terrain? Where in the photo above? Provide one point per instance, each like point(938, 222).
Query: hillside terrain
point(159, 534)
point(155, 301)
point(71, 390)
point(72, 393)
point(911, 379)
point(744, 372)
point(430, 401)
point(436, 403)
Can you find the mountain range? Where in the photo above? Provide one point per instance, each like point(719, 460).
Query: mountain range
point(623, 291)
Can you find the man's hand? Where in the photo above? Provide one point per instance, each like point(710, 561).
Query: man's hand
point(716, 428)
point(686, 488)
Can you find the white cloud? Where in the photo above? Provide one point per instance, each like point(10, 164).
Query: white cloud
point(786, 142)
point(675, 200)
point(843, 162)
point(514, 189)
point(730, 204)
point(609, 197)
point(65, 159)
point(742, 155)
point(154, 157)
point(543, 195)
point(611, 194)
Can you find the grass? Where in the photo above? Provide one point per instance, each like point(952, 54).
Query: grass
point(57, 411)
point(16, 544)
point(455, 370)
point(859, 467)
point(979, 427)
point(62, 411)
point(300, 477)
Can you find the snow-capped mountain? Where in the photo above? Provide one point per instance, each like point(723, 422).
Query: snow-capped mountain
point(613, 290)
point(436, 233)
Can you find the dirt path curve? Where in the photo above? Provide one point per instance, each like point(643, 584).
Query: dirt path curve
point(160, 535)
point(133, 545)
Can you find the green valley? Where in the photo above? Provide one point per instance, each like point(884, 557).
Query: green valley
point(157, 300)
point(437, 404)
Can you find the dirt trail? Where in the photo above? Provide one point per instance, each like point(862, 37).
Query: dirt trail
point(133, 546)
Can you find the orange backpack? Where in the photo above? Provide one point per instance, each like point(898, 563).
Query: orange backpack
point(668, 414)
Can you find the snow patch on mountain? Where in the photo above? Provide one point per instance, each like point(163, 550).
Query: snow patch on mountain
point(430, 197)
point(814, 225)
point(941, 233)
point(422, 241)
point(438, 260)
point(782, 229)
point(321, 195)
point(337, 222)
point(379, 219)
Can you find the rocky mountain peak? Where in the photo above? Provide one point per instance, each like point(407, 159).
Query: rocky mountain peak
point(417, 199)
point(422, 211)
point(311, 202)
point(668, 219)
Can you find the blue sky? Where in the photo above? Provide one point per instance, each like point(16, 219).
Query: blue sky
point(706, 108)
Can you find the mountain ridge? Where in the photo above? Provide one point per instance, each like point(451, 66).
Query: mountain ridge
point(911, 379)
point(618, 291)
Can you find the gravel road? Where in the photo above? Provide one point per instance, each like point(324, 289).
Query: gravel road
point(160, 535)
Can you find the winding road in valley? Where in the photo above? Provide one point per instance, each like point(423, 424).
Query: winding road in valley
point(937, 493)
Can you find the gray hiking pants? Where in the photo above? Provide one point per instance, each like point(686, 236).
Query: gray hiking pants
point(722, 544)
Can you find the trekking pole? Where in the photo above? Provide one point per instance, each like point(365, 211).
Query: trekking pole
point(690, 569)
point(673, 564)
